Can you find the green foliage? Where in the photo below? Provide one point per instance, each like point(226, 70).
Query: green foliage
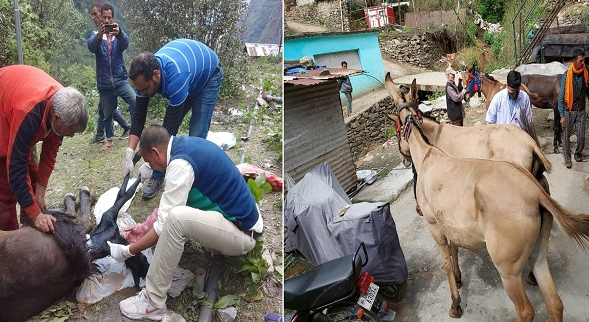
point(448, 5)
point(254, 266)
point(65, 36)
point(36, 40)
point(59, 312)
point(497, 44)
point(274, 136)
point(389, 131)
point(489, 37)
point(269, 60)
point(213, 22)
point(226, 301)
point(491, 10)
point(259, 187)
point(432, 96)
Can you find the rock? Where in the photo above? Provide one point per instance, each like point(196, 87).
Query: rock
point(227, 314)
point(181, 279)
point(173, 317)
point(268, 258)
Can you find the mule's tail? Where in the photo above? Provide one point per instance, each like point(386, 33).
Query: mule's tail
point(533, 96)
point(540, 162)
point(575, 226)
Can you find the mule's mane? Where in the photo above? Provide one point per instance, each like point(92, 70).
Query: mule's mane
point(69, 237)
point(415, 122)
point(429, 117)
point(490, 77)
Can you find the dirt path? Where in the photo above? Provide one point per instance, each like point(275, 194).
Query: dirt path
point(300, 27)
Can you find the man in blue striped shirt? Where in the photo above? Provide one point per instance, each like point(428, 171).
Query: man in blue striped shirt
point(189, 75)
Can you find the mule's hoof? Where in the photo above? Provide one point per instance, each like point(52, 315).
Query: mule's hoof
point(459, 284)
point(531, 280)
point(456, 312)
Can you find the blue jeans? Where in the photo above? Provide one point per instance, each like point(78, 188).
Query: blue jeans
point(349, 99)
point(108, 101)
point(202, 106)
point(116, 116)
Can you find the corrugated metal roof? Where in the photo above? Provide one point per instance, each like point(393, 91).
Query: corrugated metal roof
point(314, 77)
point(315, 132)
point(257, 50)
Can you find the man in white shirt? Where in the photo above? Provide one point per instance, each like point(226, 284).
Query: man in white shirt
point(205, 199)
point(510, 104)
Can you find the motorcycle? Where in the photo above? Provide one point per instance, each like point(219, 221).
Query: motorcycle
point(336, 291)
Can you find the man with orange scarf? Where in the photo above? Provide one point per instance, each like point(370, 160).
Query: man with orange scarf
point(571, 105)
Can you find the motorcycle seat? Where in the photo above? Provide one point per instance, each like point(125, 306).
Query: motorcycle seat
point(329, 282)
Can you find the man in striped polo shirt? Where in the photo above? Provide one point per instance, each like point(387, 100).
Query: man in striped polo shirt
point(188, 74)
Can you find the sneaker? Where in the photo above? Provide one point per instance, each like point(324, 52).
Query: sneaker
point(125, 134)
point(140, 307)
point(578, 157)
point(97, 140)
point(152, 186)
point(568, 164)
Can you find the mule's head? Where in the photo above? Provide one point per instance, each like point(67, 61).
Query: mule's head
point(402, 119)
point(404, 103)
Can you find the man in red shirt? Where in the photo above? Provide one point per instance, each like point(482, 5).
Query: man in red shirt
point(33, 107)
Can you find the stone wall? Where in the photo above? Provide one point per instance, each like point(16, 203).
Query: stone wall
point(417, 49)
point(369, 127)
point(325, 13)
point(373, 127)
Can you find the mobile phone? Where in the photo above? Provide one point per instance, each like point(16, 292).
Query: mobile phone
point(109, 27)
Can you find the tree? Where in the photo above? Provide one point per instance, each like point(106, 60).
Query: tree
point(212, 22)
point(36, 41)
point(68, 29)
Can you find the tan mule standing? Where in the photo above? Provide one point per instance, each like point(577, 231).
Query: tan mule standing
point(495, 204)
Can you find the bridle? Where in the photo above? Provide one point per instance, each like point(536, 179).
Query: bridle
point(404, 128)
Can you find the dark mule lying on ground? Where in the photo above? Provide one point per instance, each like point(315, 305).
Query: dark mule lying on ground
point(37, 269)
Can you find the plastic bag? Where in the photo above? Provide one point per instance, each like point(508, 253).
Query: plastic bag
point(225, 140)
point(134, 232)
point(251, 171)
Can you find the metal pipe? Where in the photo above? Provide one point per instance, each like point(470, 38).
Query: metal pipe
point(213, 276)
point(18, 35)
point(200, 278)
point(341, 13)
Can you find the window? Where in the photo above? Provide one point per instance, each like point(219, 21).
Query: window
point(334, 60)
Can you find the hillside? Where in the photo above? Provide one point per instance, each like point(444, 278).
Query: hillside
point(264, 22)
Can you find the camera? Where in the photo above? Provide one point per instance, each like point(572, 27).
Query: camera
point(109, 27)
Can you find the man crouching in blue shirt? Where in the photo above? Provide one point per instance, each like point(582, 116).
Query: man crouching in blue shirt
point(205, 199)
point(186, 72)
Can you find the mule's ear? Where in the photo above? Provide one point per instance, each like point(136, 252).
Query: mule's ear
point(413, 91)
point(392, 89)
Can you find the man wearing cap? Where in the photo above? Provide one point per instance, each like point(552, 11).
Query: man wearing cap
point(510, 104)
point(454, 96)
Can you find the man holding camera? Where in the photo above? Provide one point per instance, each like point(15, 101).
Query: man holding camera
point(108, 44)
point(96, 16)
